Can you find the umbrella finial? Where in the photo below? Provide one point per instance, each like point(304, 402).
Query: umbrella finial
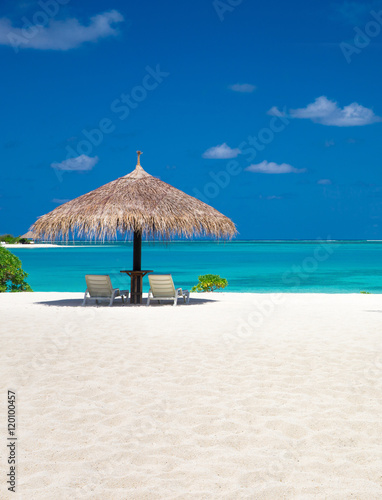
point(139, 157)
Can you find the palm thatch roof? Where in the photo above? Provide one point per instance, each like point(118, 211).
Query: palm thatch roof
point(135, 202)
point(29, 236)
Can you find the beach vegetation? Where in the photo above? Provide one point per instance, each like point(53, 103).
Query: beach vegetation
point(209, 283)
point(9, 238)
point(12, 276)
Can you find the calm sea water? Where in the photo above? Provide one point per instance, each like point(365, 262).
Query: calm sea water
point(249, 266)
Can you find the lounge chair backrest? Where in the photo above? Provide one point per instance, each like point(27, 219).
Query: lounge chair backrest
point(162, 285)
point(99, 285)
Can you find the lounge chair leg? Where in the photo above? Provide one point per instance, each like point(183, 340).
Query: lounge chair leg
point(85, 298)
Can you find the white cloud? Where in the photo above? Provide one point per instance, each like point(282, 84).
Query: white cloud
point(59, 35)
point(82, 163)
point(330, 143)
point(268, 167)
point(246, 88)
point(275, 111)
point(274, 197)
point(324, 182)
point(60, 201)
point(222, 152)
point(327, 112)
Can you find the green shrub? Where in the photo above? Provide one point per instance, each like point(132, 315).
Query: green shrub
point(12, 277)
point(9, 238)
point(209, 283)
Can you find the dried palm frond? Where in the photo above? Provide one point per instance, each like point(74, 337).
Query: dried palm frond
point(135, 202)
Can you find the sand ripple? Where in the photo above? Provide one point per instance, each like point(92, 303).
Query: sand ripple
point(175, 403)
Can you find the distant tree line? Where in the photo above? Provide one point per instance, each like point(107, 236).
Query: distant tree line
point(9, 238)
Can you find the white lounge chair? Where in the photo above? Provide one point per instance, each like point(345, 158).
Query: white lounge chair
point(162, 288)
point(99, 287)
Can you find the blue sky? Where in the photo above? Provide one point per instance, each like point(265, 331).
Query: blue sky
point(271, 112)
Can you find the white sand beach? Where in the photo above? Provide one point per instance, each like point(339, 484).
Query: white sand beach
point(36, 245)
point(236, 396)
point(32, 245)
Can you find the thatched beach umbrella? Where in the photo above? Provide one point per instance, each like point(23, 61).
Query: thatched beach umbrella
point(136, 203)
point(29, 236)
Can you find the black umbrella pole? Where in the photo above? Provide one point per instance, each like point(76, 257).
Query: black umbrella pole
point(137, 256)
point(136, 277)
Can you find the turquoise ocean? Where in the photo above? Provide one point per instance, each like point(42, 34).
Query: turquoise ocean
point(249, 266)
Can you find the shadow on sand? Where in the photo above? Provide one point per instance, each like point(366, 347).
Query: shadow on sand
point(118, 303)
